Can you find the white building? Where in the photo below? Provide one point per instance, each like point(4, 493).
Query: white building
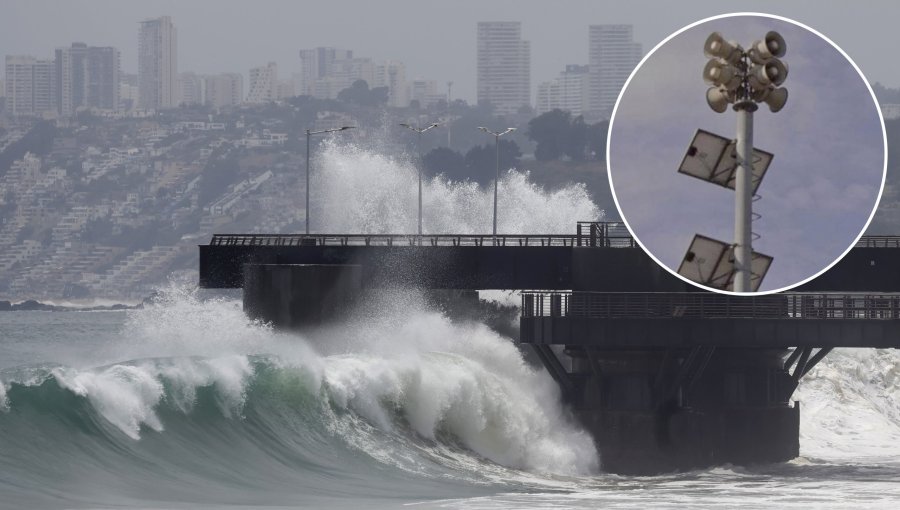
point(425, 92)
point(29, 86)
point(86, 77)
point(504, 66)
point(568, 91)
point(226, 89)
point(612, 56)
point(190, 89)
point(157, 64)
point(263, 84)
point(345, 72)
point(315, 64)
point(392, 74)
point(285, 89)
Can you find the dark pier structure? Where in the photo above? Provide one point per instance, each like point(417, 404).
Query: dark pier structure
point(665, 376)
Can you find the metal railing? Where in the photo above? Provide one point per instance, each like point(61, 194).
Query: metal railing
point(589, 233)
point(878, 242)
point(659, 305)
point(599, 234)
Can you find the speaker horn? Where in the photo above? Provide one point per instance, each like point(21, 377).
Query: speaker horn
point(717, 99)
point(717, 47)
point(772, 46)
point(776, 99)
point(773, 72)
point(719, 73)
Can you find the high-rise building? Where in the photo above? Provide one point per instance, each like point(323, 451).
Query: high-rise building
point(568, 91)
point(504, 66)
point(86, 77)
point(612, 56)
point(315, 64)
point(103, 71)
point(71, 78)
point(426, 93)
point(263, 84)
point(225, 89)
point(392, 74)
point(345, 72)
point(286, 89)
point(128, 92)
point(30, 87)
point(157, 64)
point(190, 89)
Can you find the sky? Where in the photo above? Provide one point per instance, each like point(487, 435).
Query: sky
point(436, 40)
point(827, 142)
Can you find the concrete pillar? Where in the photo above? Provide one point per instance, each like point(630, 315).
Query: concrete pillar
point(298, 295)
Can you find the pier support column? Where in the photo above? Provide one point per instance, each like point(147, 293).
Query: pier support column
point(658, 410)
point(297, 295)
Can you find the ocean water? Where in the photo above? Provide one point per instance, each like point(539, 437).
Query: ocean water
point(188, 404)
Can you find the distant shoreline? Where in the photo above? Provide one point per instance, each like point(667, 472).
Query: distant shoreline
point(32, 305)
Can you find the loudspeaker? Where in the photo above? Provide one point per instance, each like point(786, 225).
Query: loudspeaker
point(717, 47)
point(717, 99)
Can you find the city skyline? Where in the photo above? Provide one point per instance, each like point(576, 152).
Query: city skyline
point(79, 76)
point(558, 38)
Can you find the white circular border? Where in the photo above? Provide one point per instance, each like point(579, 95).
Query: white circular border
point(883, 138)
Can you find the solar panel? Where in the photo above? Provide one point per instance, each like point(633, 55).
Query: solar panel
point(710, 262)
point(713, 158)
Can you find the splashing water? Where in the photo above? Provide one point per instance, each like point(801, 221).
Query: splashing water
point(361, 191)
point(411, 372)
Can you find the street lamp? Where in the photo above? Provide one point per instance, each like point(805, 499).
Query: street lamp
point(419, 132)
point(497, 136)
point(742, 78)
point(308, 136)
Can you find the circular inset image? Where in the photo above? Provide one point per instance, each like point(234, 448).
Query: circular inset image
point(747, 153)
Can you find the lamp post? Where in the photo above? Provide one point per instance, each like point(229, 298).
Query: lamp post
point(497, 136)
point(449, 87)
point(419, 132)
point(308, 136)
point(744, 78)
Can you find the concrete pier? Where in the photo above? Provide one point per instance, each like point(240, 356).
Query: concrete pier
point(663, 376)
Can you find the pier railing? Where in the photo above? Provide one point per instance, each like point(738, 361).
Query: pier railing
point(601, 234)
point(649, 305)
point(878, 242)
point(597, 234)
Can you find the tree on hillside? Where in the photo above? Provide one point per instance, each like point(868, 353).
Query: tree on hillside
point(575, 141)
point(444, 160)
point(549, 131)
point(481, 160)
point(596, 140)
point(558, 134)
point(360, 94)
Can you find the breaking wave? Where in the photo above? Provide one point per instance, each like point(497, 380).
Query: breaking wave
point(408, 397)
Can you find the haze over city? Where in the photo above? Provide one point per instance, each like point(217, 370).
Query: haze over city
point(435, 40)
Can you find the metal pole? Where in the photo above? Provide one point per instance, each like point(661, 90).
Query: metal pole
point(449, 87)
point(743, 192)
point(421, 162)
point(496, 179)
point(307, 181)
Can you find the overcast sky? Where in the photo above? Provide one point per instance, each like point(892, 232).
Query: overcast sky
point(823, 181)
point(436, 40)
